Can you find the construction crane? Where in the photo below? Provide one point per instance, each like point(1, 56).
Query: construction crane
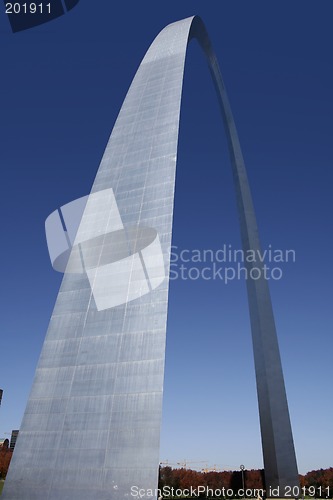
point(185, 463)
point(213, 468)
point(218, 468)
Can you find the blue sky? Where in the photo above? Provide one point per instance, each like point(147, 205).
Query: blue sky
point(62, 85)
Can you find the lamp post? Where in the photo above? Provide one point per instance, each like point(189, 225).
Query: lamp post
point(242, 467)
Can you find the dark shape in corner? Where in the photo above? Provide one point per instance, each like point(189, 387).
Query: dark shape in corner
point(71, 3)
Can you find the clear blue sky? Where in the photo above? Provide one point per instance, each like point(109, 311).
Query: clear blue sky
point(62, 85)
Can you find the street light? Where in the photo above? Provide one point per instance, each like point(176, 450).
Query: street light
point(242, 467)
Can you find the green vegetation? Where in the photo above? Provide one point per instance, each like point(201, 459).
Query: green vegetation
point(1, 485)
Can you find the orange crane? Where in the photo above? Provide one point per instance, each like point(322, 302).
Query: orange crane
point(219, 468)
point(213, 468)
point(186, 462)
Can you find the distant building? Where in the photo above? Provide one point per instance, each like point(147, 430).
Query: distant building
point(4, 443)
point(13, 439)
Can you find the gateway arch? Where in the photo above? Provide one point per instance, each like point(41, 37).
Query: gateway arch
point(91, 428)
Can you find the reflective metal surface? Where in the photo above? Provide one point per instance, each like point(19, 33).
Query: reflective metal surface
point(92, 423)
